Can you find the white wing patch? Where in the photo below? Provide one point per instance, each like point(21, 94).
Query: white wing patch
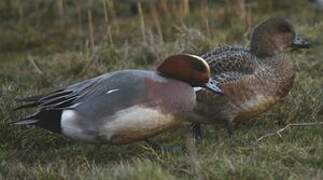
point(111, 91)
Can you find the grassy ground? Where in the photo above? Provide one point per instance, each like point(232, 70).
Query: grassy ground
point(45, 45)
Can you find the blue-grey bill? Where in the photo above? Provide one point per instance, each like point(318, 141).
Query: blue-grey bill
point(213, 86)
point(300, 42)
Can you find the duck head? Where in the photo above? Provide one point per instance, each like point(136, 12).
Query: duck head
point(274, 36)
point(191, 69)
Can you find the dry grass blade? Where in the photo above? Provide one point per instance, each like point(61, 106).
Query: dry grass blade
point(284, 128)
point(33, 63)
point(142, 22)
point(94, 56)
point(91, 29)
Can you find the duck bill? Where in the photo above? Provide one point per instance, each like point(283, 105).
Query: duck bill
point(300, 42)
point(213, 86)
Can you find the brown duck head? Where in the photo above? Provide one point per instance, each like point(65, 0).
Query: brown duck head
point(191, 69)
point(274, 36)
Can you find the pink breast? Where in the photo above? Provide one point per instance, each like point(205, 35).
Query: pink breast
point(170, 96)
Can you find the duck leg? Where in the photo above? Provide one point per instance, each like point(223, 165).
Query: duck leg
point(197, 131)
point(229, 127)
point(154, 145)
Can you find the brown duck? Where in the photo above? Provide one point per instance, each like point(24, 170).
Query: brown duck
point(251, 79)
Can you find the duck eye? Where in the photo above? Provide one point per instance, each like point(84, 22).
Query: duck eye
point(199, 66)
point(286, 28)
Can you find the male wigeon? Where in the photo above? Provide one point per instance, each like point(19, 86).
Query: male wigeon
point(252, 79)
point(123, 106)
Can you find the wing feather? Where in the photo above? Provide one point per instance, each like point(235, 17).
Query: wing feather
point(229, 64)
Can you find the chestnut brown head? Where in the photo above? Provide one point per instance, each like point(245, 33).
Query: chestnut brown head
point(191, 69)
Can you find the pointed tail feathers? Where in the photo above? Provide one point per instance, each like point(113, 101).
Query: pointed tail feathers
point(29, 120)
point(47, 119)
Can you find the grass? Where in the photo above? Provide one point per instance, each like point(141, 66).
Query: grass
point(44, 45)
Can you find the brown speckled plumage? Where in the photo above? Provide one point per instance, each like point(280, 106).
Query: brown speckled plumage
point(250, 85)
point(252, 80)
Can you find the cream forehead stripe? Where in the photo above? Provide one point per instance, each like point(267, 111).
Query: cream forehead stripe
point(202, 60)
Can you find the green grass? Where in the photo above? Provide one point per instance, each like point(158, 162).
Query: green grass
point(35, 33)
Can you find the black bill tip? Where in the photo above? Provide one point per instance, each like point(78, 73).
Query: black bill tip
point(213, 86)
point(300, 42)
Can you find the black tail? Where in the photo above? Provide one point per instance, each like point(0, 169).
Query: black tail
point(47, 119)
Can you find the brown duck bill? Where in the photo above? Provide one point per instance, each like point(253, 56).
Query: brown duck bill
point(300, 42)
